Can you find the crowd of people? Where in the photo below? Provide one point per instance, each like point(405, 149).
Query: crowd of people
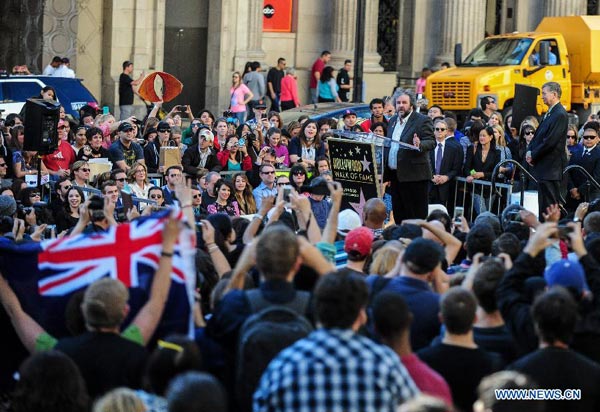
point(302, 305)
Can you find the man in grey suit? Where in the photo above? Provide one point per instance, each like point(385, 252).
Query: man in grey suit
point(547, 152)
point(409, 171)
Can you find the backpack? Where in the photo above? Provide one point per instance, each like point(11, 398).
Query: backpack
point(271, 328)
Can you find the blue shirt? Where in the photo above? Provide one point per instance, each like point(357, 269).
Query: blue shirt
point(424, 304)
point(263, 191)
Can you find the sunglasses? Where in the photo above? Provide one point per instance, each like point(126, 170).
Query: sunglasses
point(3, 164)
point(84, 169)
point(439, 129)
point(61, 127)
point(34, 194)
point(121, 179)
point(526, 133)
point(589, 137)
point(156, 196)
point(268, 173)
point(570, 136)
point(283, 183)
point(299, 173)
point(67, 188)
point(197, 196)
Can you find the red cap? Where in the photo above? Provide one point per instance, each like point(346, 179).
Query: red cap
point(359, 240)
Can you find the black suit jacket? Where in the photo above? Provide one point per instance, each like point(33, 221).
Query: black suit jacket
point(191, 161)
point(591, 163)
point(413, 166)
point(548, 152)
point(451, 166)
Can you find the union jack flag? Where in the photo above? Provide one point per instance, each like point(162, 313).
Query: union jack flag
point(45, 275)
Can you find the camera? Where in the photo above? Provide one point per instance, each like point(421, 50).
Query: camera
point(287, 189)
point(514, 216)
point(564, 231)
point(228, 113)
point(251, 136)
point(242, 142)
point(49, 232)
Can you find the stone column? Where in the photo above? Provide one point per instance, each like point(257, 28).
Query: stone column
point(454, 29)
point(343, 34)
point(249, 33)
point(371, 58)
point(565, 8)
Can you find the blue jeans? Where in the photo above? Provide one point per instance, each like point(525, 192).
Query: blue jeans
point(241, 116)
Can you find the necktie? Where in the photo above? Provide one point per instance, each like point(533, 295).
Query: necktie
point(438, 159)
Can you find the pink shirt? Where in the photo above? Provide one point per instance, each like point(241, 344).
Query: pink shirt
point(318, 66)
point(289, 90)
point(426, 379)
point(238, 95)
point(421, 82)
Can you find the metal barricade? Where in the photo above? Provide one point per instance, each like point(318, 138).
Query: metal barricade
point(478, 196)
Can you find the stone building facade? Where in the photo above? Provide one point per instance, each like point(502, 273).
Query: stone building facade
point(203, 41)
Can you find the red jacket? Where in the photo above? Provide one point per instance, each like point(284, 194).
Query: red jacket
point(223, 157)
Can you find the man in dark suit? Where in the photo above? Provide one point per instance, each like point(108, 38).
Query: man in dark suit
point(589, 158)
point(446, 162)
point(408, 171)
point(547, 153)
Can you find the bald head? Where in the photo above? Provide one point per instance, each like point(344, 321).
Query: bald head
point(374, 213)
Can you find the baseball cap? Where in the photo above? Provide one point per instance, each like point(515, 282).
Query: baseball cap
point(423, 255)
point(349, 112)
point(261, 106)
point(565, 273)
point(125, 126)
point(348, 219)
point(359, 240)
point(163, 127)
point(207, 135)
point(104, 303)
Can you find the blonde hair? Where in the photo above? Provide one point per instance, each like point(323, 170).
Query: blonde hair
point(501, 141)
point(385, 259)
point(131, 172)
point(120, 400)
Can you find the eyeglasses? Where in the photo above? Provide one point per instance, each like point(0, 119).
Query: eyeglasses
point(121, 179)
point(34, 194)
point(440, 129)
point(156, 196)
point(84, 169)
point(272, 172)
point(589, 137)
point(197, 196)
point(196, 124)
point(528, 133)
point(67, 187)
point(283, 183)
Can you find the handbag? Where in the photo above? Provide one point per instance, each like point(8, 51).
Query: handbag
point(169, 156)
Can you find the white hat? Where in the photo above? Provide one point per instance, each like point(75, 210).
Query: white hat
point(348, 219)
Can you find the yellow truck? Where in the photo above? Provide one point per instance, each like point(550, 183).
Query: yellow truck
point(561, 49)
